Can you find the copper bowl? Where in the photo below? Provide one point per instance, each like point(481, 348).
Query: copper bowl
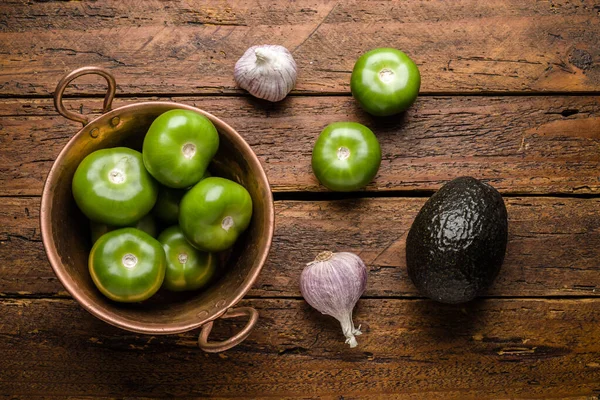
point(65, 230)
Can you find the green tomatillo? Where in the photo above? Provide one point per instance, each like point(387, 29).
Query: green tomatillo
point(112, 186)
point(166, 208)
point(127, 265)
point(214, 213)
point(187, 267)
point(346, 156)
point(178, 147)
point(146, 224)
point(385, 81)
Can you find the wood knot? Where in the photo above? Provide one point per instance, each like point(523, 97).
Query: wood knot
point(581, 59)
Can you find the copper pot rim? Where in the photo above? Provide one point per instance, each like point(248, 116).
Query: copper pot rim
point(71, 285)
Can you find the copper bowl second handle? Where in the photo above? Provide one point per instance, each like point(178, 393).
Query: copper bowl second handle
point(216, 347)
point(251, 313)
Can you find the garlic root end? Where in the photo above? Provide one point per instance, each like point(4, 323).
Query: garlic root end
point(350, 331)
point(351, 340)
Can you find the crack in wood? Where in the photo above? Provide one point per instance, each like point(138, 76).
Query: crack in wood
point(74, 51)
point(310, 35)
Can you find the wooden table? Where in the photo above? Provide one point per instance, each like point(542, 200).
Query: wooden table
point(510, 95)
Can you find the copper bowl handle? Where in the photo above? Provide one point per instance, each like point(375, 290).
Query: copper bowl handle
point(64, 82)
point(216, 347)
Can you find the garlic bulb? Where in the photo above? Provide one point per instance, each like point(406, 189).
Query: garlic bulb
point(267, 72)
point(332, 284)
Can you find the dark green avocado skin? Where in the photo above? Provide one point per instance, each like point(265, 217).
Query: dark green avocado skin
point(456, 244)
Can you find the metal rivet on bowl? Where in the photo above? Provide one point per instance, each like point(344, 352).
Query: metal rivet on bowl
point(94, 132)
point(220, 303)
point(202, 314)
point(115, 121)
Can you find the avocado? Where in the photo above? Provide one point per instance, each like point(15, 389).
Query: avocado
point(456, 244)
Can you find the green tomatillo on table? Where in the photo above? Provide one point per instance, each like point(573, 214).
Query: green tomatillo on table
point(146, 224)
point(112, 186)
point(178, 147)
point(346, 156)
point(214, 213)
point(127, 265)
point(187, 267)
point(385, 81)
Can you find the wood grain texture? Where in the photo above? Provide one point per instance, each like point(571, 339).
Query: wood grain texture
point(410, 349)
point(186, 47)
point(521, 145)
point(553, 249)
point(533, 335)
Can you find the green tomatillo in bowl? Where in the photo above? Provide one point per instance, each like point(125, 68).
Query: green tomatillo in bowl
point(346, 156)
point(178, 147)
point(385, 82)
point(146, 224)
point(214, 213)
point(166, 209)
point(187, 267)
point(127, 265)
point(111, 186)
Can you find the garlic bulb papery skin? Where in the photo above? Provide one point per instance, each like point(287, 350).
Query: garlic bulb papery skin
point(332, 284)
point(266, 71)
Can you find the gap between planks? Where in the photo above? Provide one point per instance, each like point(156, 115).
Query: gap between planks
point(406, 194)
point(234, 93)
point(63, 296)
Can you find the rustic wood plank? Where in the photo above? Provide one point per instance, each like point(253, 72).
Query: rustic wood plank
point(521, 145)
point(177, 47)
point(553, 250)
point(409, 349)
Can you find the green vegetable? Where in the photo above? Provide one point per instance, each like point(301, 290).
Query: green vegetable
point(146, 224)
point(166, 208)
point(385, 81)
point(214, 213)
point(346, 156)
point(127, 265)
point(112, 186)
point(179, 146)
point(187, 267)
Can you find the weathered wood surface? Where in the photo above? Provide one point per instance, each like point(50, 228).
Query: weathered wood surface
point(186, 47)
point(410, 349)
point(520, 145)
point(534, 335)
point(553, 250)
